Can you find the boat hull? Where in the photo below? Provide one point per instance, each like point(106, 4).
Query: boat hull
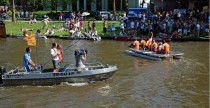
point(16, 77)
point(56, 80)
point(153, 56)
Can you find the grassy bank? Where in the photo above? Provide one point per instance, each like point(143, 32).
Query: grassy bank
point(14, 28)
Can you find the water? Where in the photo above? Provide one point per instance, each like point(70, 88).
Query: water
point(138, 82)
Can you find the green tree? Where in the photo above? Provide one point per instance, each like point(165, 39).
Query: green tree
point(13, 11)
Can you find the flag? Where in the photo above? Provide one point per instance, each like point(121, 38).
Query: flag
point(31, 40)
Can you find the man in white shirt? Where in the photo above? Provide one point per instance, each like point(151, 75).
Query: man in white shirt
point(55, 59)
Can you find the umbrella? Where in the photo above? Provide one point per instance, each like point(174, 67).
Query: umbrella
point(85, 14)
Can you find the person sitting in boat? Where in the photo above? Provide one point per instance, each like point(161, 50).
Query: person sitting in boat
point(27, 61)
point(55, 58)
point(80, 57)
point(154, 46)
point(136, 44)
point(166, 47)
point(143, 44)
point(149, 43)
point(160, 48)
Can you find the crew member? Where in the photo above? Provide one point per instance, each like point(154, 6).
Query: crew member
point(27, 61)
point(166, 48)
point(55, 58)
point(136, 44)
point(143, 44)
point(80, 57)
point(154, 46)
point(160, 48)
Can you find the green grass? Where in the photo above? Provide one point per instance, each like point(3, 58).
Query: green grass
point(14, 28)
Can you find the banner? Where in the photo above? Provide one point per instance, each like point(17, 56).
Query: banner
point(31, 40)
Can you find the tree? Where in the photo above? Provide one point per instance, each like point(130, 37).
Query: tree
point(4, 2)
point(126, 6)
point(114, 8)
point(13, 11)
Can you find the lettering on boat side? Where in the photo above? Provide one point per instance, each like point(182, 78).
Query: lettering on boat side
point(10, 76)
point(64, 74)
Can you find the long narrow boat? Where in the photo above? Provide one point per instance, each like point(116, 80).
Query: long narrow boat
point(94, 38)
point(126, 38)
point(92, 72)
point(153, 56)
point(21, 36)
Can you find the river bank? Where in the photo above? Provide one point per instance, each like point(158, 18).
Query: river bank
point(113, 38)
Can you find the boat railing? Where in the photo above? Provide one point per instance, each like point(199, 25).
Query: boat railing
point(14, 70)
point(96, 64)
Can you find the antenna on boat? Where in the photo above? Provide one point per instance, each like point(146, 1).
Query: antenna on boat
point(37, 45)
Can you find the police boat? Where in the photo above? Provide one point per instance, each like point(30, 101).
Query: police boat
point(69, 73)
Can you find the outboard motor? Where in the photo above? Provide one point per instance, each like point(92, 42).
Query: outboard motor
point(2, 71)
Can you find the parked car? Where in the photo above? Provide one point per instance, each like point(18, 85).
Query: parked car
point(99, 15)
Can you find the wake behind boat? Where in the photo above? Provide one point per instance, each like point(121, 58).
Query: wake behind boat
point(153, 56)
point(92, 72)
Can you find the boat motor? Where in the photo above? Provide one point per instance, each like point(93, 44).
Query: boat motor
point(2, 71)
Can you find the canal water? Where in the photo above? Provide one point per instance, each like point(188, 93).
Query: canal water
point(138, 83)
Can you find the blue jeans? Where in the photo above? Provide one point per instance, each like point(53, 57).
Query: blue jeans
point(29, 68)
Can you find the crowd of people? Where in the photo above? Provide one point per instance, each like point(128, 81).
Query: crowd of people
point(193, 23)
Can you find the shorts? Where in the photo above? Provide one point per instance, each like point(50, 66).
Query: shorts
point(56, 64)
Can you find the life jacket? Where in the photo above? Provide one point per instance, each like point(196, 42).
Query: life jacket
point(166, 48)
point(155, 47)
point(149, 43)
point(136, 45)
point(59, 55)
point(143, 43)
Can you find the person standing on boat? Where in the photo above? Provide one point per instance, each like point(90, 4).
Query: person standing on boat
point(55, 58)
point(166, 48)
point(80, 57)
point(59, 53)
point(27, 62)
